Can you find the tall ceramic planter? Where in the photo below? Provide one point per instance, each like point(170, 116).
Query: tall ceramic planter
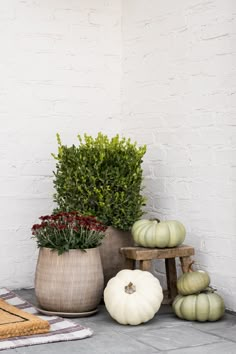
point(112, 260)
point(71, 282)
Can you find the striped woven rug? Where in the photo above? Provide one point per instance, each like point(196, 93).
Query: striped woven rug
point(61, 329)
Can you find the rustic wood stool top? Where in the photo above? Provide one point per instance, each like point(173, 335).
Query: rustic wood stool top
point(146, 255)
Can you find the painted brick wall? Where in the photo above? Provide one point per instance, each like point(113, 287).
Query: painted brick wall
point(60, 69)
point(178, 97)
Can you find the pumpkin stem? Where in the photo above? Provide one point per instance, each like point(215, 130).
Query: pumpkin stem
point(155, 219)
point(209, 289)
point(130, 288)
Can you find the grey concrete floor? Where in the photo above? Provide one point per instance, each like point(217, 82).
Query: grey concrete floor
point(163, 334)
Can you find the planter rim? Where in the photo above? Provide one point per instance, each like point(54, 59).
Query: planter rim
point(70, 250)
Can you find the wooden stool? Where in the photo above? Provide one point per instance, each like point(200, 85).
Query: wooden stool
point(146, 255)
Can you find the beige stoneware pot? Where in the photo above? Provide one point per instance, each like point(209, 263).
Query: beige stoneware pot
point(71, 282)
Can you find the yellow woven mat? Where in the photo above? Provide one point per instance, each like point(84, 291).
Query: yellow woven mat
point(15, 322)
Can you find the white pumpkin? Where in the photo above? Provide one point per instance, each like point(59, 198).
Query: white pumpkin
point(133, 296)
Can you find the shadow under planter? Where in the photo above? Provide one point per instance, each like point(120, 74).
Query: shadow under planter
point(112, 260)
point(71, 282)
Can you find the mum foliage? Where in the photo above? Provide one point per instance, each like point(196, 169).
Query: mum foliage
point(68, 230)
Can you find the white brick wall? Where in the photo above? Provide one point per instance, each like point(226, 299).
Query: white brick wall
point(178, 97)
point(60, 69)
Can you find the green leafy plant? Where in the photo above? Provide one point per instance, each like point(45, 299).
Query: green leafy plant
point(101, 177)
point(65, 231)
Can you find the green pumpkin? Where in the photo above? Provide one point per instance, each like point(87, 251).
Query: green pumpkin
point(207, 306)
point(192, 282)
point(160, 234)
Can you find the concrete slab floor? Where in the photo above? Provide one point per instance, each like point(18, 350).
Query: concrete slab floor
point(163, 334)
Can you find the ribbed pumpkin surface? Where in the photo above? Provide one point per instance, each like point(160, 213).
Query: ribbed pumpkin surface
point(202, 307)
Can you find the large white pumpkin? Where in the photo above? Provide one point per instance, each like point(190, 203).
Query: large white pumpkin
point(133, 296)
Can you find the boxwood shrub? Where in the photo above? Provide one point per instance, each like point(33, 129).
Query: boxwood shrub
point(101, 176)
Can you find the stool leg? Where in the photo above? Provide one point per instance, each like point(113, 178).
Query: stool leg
point(145, 265)
point(171, 277)
point(129, 263)
point(185, 263)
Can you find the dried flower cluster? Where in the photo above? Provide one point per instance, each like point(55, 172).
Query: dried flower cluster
point(64, 231)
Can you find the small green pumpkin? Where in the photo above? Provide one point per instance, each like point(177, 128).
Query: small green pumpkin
point(192, 282)
point(156, 233)
point(206, 306)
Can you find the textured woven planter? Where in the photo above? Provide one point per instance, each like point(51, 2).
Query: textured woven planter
point(71, 282)
point(112, 260)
